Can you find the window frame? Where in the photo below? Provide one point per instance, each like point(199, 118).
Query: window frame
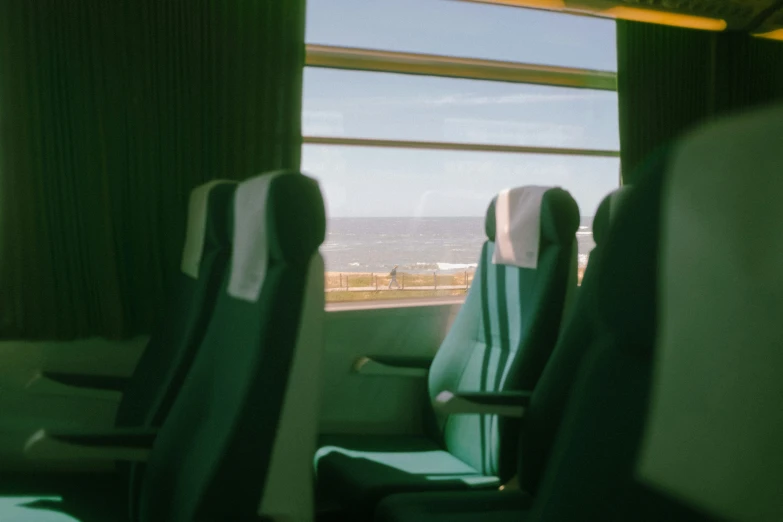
point(393, 62)
point(372, 60)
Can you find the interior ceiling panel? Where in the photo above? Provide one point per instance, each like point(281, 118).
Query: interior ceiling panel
point(772, 26)
point(756, 16)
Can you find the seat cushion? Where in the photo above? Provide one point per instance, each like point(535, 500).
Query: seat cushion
point(503, 335)
point(486, 506)
point(68, 497)
point(359, 470)
point(32, 509)
point(92, 506)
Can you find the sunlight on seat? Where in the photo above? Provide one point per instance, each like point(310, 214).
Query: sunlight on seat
point(15, 509)
point(473, 481)
point(413, 462)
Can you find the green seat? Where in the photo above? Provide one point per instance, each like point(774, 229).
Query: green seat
point(146, 397)
point(550, 428)
point(591, 472)
point(544, 412)
point(715, 429)
point(382, 464)
point(500, 341)
point(161, 370)
point(159, 374)
point(19, 509)
point(239, 438)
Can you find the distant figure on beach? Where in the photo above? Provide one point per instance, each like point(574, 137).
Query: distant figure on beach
point(393, 275)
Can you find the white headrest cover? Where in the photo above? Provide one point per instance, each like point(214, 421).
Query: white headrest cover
point(715, 431)
point(250, 250)
point(518, 226)
point(196, 227)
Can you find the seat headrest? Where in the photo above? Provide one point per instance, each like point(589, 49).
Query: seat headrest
point(278, 217)
point(539, 215)
point(205, 227)
point(607, 211)
point(716, 423)
point(628, 272)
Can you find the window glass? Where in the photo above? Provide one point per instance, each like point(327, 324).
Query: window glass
point(423, 211)
point(465, 29)
point(404, 107)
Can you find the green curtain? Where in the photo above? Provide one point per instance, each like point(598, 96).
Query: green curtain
point(748, 72)
point(663, 79)
point(671, 79)
point(110, 112)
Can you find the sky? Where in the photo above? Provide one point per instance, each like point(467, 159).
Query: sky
point(372, 182)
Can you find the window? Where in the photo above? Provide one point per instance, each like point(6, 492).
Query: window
point(409, 162)
point(360, 104)
point(464, 29)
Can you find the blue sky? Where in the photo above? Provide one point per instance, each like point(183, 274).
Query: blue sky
point(366, 182)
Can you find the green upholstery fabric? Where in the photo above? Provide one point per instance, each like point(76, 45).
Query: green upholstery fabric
point(83, 497)
point(479, 506)
point(601, 220)
point(500, 341)
point(542, 416)
point(590, 475)
point(714, 431)
point(210, 459)
point(60, 509)
point(213, 450)
point(585, 418)
point(607, 210)
point(160, 372)
point(162, 368)
point(171, 348)
point(504, 334)
point(545, 410)
point(372, 466)
point(22, 509)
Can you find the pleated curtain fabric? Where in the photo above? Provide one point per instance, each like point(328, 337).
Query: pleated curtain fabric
point(663, 87)
point(671, 80)
point(111, 111)
point(748, 72)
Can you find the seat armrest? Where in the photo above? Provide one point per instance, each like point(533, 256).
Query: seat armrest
point(82, 380)
point(129, 444)
point(392, 365)
point(43, 383)
point(422, 362)
point(506, 404)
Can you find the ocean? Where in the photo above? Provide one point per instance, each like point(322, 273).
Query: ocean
point(417, 245)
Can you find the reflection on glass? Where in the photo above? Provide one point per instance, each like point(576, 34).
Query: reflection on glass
point(403, 107)
point(423, 212)
point(465, 29)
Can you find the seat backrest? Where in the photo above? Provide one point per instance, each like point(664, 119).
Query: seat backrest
point(547, 404)
point(589, 475)
point(715, 426)
point(242, 432)
point(508, 325)
point(606, 212)
point(170, 350)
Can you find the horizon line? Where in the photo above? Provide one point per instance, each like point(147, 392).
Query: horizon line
point(414, 217)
